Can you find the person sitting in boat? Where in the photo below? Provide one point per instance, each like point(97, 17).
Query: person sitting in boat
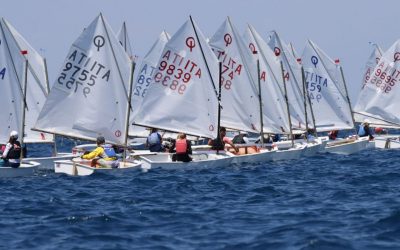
point(310, 134)
point(104, 155)
point(241, 138)
point(11, 154)
point(333, 134)
point(364, 130)
point(154, 141)
point(220, 144)
point(182, 149)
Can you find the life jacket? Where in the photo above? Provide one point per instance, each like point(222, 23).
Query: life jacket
point(15, 151)
point(109, 151)
point(218, 145)
point(181, 146)
point(238, 139)
point(154, 138)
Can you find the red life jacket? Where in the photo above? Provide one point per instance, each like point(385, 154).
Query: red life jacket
point(181, 146)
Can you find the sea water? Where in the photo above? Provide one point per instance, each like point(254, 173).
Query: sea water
point(321, 202)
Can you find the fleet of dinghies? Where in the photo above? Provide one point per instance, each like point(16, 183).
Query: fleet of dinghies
point(376, 101)
point(192, 85)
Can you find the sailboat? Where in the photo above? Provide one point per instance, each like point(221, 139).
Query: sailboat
point(379, 95)
point(144, 76)
point(14, 95)
point(241, 98)
point(182, 97)
point(275, 104)
point(96, 79)
point(329, 99)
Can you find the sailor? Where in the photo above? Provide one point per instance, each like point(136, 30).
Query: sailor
point(12, 151)
point(183, 149)
point(364, 130)
point(333, 134)
point(154, 141)
point(241, 138)
point(104, 155)
point(220, 145)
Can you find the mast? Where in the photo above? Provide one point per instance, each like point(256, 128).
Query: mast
point(133, 64)
point(287, 104)
point(347, 96)
point(219, 104)
point(260, 101)
point(22, 132)
point(307, 98)
point(48, 91)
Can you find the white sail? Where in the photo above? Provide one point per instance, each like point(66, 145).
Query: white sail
point(182, 95)
point(90, 95)
point(19, 51)
point(144, 76)
point(293, 50)
point(125, 41)
point(324, 80)
point(37, 84)
point(240, 103)
point(382, 91)
point(11, 95)
point(275, 117)
point(363, 97)
point(294, 81)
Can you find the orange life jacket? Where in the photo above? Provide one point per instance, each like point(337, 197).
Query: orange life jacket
point(181, 146)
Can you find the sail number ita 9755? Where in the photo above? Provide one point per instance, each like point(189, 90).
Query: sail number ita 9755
point(81, 72)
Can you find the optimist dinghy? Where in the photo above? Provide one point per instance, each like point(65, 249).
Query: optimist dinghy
point(96, 79)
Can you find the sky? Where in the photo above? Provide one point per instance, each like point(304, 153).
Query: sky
point(344, 29)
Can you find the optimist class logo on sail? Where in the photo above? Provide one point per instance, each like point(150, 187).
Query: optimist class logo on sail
point(176, 69)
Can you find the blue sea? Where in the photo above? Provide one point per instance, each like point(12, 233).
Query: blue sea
point(321, 202)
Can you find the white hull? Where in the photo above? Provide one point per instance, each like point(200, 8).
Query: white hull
point(387, 141)
point(289, 154)
point(48, 162)
point(347, 147)
point(27, 168)
point(314, 148)
point(200, 160)
point(78, 167)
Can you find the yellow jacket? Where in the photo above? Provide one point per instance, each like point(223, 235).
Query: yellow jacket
point(98, 152)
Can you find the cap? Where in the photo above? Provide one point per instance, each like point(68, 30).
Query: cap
point(366, 121)
point(14, 134)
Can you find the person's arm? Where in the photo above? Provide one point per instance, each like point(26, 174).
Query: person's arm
point(189, 147)
point(210, 142)
point(226, 140)
point(6, 150)
point(95, 153)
